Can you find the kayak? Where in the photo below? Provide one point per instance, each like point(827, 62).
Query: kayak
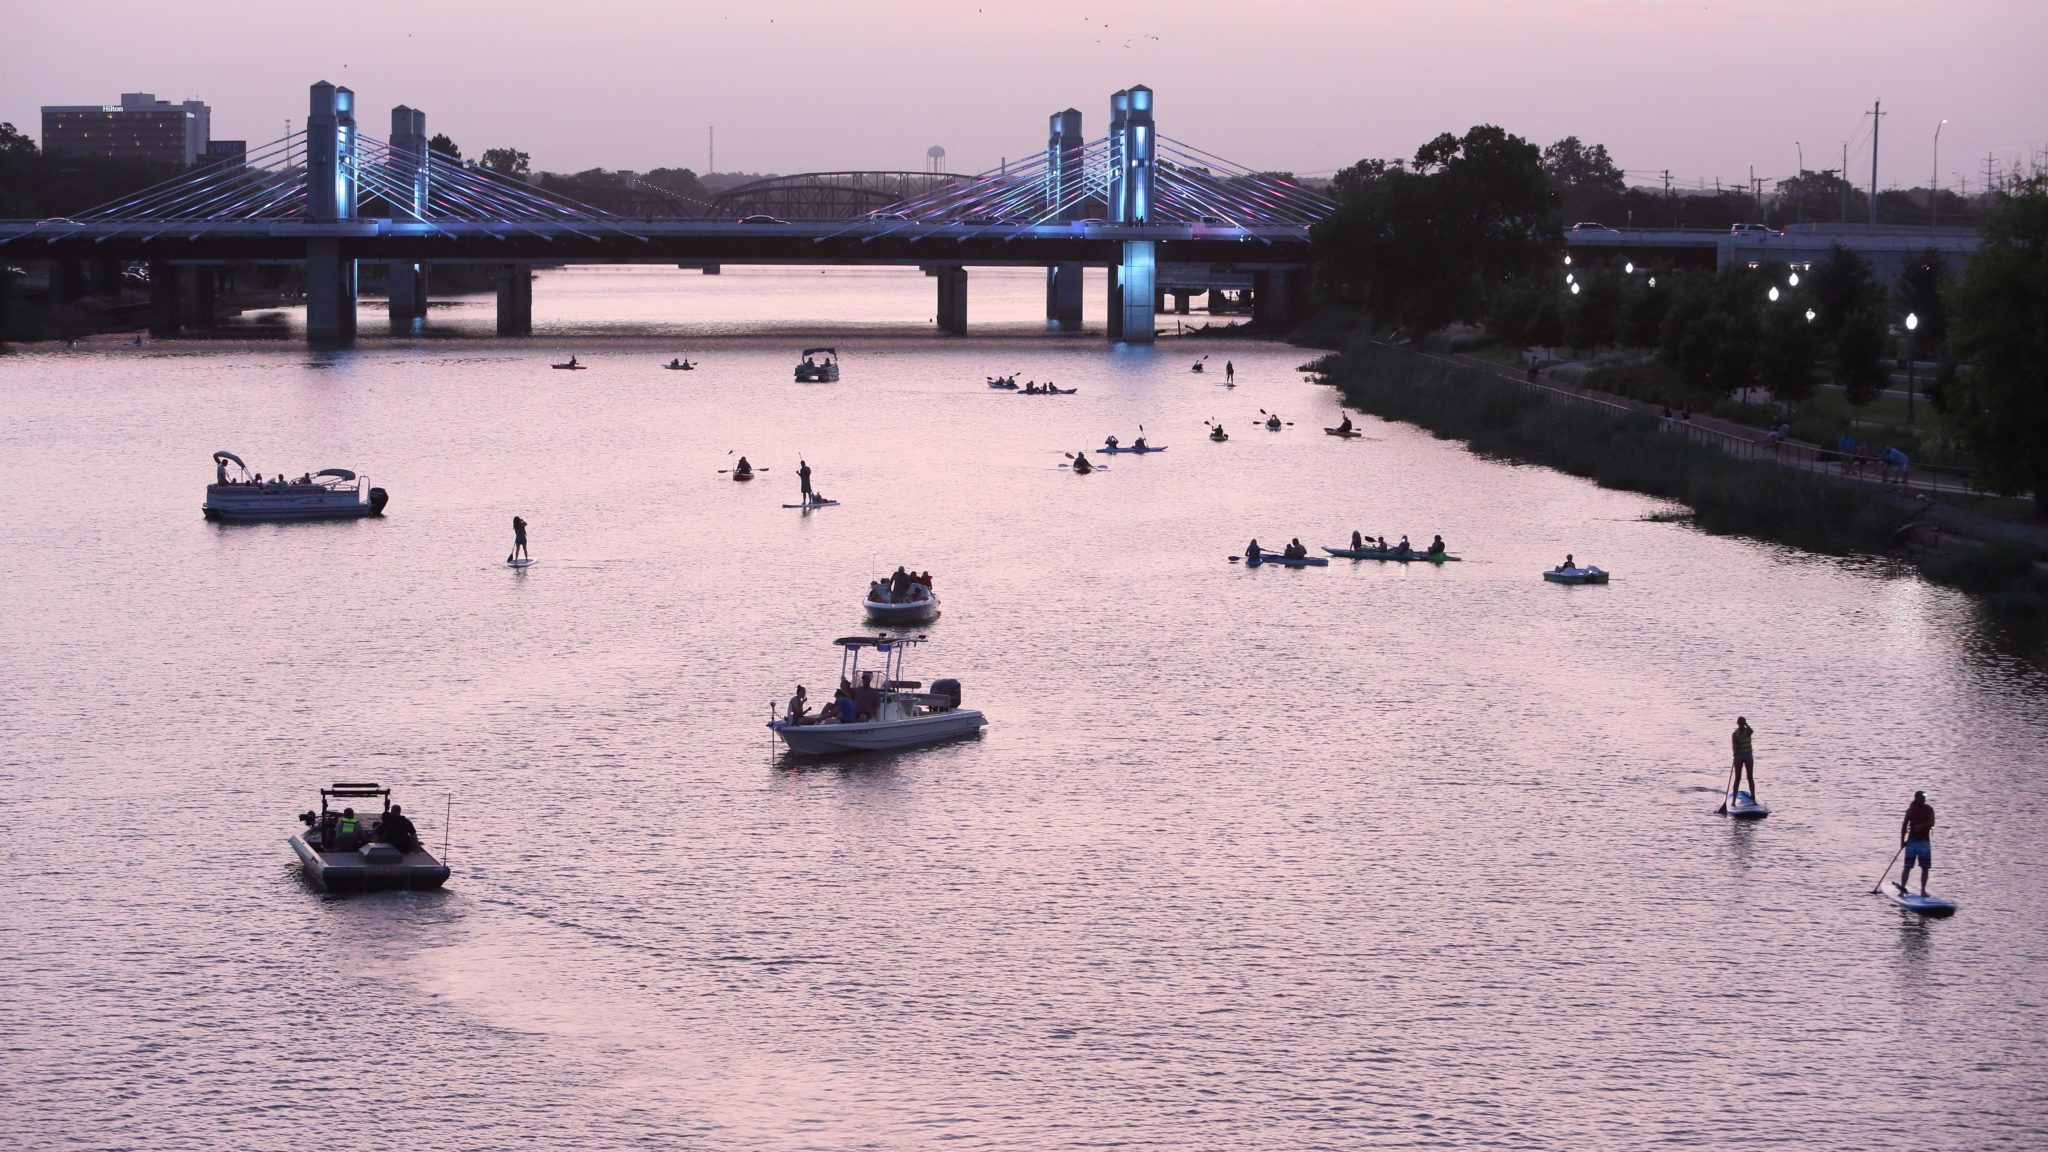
point(1138, 451)
point(1744, 806)
point(1911, 902)
point(1219, 436)
point(1290, 561)
point(1083, 469)
point(570, 367)
point(743, 475)
point(1044, 391)
point(1390, 554)
point(814, 504)
point(1586, 575)
point(1272, 425)
point(1348, 434)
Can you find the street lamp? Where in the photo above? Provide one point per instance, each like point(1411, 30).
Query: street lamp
point(1793, 280)
point(1575, 289)
point(1934, 188)
point(1912, 362)
point(1774, 293)
point(1629, 269)
point(1809, 315)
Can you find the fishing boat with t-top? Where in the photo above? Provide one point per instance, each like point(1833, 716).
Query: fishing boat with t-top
point(344, 851)
point(881, 710)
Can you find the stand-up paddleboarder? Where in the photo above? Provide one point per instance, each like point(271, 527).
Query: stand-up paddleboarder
point(518, 540)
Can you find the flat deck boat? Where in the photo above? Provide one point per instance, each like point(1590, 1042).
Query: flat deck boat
point(886, 711)
point(363, 859)
point(329, 494)
point(819, 366)
point(1586, 575)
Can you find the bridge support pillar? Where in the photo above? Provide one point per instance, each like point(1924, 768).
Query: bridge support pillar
point(1135, 293)
point(1278, 300)
point(515, 301)
point(406, 290)
point(166, 310)
point(330, 294)
point(953, 299)
point(1063, 296)
point(103, 277)
point(197, 287)
point(67, 281)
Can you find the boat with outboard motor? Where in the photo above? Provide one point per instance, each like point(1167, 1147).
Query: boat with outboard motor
point(345, 852)
point(882, 710)
point(812, 369)
point(329, 494)
point(902, 597)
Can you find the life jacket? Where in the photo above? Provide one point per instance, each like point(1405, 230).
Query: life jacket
point(1742, 736)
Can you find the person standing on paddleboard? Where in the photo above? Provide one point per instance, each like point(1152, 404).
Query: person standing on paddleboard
point(1745, 758)
point(803, 480)
point(1916, 832)
point(518, 538)
point(1229, 372)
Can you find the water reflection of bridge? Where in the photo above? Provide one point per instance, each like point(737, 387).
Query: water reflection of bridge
point(1158, 216)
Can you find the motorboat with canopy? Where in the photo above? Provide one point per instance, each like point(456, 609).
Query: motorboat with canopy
point(365, 852)
point(884, 711)
point(819, 366)
point(329, 494)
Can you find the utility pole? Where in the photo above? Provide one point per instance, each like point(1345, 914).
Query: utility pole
point(1845, 181)
point(711, 150)
point(1990, 171)
point(1756, 191)
point(1876, 119)
point(1934, 183)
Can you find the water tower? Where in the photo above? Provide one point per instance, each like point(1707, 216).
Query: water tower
point(933, 157)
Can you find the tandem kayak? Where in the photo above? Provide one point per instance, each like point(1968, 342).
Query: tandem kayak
point(1586, 575)
point(1139, 451)
point(1258, 558)
point(1390, 554)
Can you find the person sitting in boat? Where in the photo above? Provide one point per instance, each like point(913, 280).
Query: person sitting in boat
point(1296, 549)
point(1380, 543)
point(348, 833)
point(799, 707)
point(396, 830)
point(867, 699)
point(1110, 443)
point(1272, 421)
point(924, 579)
point(842, 703)
point(743, 466)
point(1081, 462)
point(572, 361)
point(878, 592)
point(1402, 547)
point(1568, 565)
point(1357, 541)
point(1138, 445)
point(1344, 429)
point(1436, 546)
point(1251, 550)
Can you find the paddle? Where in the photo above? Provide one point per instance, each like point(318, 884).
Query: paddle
point(1270, 416)
point(751, 471)
point(1879, 886)
point(1727, 792)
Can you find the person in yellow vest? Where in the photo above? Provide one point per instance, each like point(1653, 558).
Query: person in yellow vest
point(1745, 756)
point(347, 831)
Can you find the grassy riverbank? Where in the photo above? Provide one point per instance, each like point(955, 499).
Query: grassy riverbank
point(1626, 450)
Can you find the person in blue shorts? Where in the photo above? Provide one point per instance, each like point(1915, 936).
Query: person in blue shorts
point(1916, 832)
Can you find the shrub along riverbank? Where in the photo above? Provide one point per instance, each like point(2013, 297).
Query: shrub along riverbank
point(1618, 449)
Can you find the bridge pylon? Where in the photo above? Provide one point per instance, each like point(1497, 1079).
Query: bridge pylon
point(1133, 152)
point(1066, 191)
point(330, 198)
point(406, 281)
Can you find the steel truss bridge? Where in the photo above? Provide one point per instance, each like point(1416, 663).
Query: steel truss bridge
point(1157, 214)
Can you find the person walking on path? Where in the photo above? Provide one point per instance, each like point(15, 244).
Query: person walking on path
point(1745, 756)
point(1229, 372)
point(803, 479)
point(1916, 833)
point(518, 540)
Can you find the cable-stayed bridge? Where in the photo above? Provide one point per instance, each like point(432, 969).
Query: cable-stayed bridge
point(1155, 213)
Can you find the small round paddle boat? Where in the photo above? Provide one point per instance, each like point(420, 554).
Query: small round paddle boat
point(1586, 575)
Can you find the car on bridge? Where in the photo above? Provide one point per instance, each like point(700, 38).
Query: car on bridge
point(1590, 226)
point(1755, 230)
point(758, 218)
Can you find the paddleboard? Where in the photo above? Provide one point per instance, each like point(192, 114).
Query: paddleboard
point(1743, 806)
point(1913, 902)
point(525, 563)
point(815, 504)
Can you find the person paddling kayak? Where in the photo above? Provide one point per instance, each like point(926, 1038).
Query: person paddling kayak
point(1745, 756)
point(1916, 833)
point(1251, 550)
point(1344, 429)
point(1436, 546)
point(1357, 541)
point(743, 467)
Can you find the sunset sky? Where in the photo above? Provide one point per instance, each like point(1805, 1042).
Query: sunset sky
point(1705, 90)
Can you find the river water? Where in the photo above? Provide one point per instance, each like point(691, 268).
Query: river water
point(1368, 856)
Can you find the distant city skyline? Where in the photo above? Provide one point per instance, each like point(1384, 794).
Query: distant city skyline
point(1704, 90)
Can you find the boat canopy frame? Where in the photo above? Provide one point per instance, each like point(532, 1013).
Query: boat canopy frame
point(890, 648)
point(354, 791)
point(832, 352)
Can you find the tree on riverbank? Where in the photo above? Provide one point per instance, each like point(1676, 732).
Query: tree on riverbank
point(1422, 245)
point(1999, 326)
